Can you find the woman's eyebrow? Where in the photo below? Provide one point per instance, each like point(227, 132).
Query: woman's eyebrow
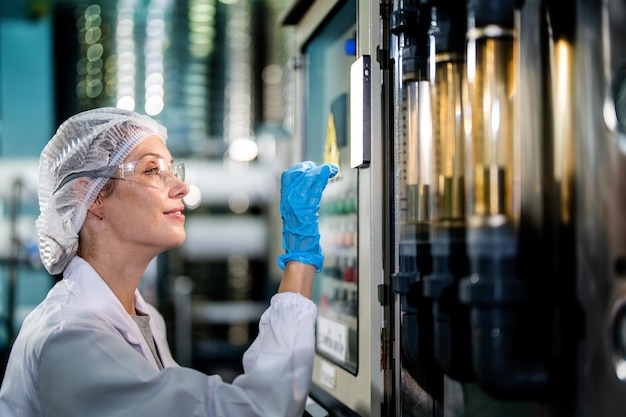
point(154, 155)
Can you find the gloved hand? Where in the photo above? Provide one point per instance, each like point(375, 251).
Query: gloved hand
point(301, 189)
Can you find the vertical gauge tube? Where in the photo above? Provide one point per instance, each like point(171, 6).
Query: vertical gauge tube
point(418, 157)
point(491, 86)
point(413, 162)
point(491, 168)
point(449, 136)
point(493, 290)
point(447, 231)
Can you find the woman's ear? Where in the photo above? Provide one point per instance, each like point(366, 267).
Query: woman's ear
point(96, 208)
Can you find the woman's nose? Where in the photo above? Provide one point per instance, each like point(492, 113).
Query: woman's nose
point(178, 188)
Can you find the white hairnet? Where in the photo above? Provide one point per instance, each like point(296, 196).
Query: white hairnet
point(89, 140)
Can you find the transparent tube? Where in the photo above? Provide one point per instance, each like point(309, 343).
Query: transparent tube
point(417, 163)
point(491, 87)
point(448, 242)
point(448, 139)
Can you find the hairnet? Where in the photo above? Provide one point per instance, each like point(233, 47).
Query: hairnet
point(86, 141)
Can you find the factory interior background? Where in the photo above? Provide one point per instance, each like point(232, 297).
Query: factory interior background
point(474, 238)
point(216, 74)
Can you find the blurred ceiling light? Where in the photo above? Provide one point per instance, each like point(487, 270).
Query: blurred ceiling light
point(154, 105)
point(238, 202)
point(272, 74)
point(126, 103)
point(154, 90)
point(243, 149)
point(126, 58)
point(193, 198)
point(156, 78)
point(124, 27)
point(95, 51)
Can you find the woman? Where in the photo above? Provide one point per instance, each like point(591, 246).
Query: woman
point(111, 199)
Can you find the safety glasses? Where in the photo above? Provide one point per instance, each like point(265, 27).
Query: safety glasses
point(151, 172)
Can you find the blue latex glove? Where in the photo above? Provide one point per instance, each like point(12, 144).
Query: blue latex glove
point(301, 189)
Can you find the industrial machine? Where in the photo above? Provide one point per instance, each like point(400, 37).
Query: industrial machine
point(475, 239)
point(350, 318)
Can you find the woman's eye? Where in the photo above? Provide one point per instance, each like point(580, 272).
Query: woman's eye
point(152, 171)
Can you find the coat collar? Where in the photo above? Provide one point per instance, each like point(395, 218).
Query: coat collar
point(85, 282)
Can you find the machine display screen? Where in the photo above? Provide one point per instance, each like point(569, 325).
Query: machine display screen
point(327, 59)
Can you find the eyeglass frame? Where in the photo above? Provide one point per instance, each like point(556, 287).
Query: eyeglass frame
point(117, 172)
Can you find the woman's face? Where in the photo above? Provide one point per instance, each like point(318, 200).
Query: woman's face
point(143, 217)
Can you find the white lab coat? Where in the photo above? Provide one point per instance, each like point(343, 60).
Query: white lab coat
point(80, 354)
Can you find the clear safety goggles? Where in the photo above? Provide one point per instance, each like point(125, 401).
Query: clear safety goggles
point(152, 172)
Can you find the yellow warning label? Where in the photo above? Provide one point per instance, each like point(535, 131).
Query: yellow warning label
point(331, 150)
